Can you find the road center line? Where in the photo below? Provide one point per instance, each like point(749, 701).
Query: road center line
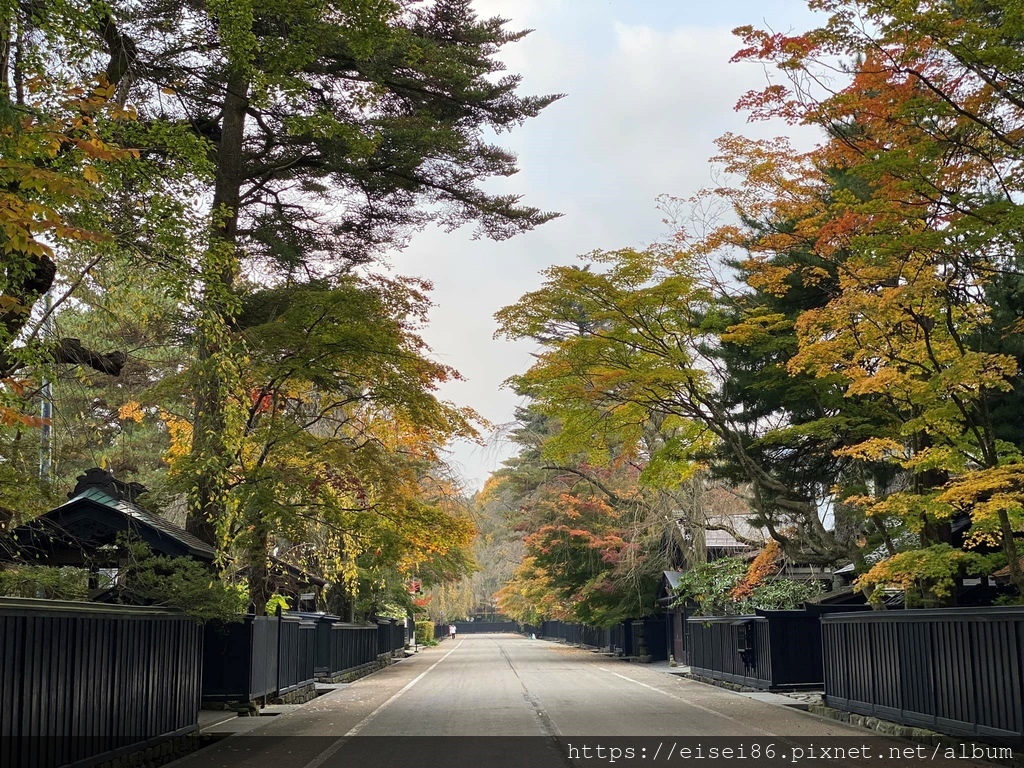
point(320, 759)
point(550, 729)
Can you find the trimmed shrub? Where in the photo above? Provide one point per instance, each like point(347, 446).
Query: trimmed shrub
point(424, 632)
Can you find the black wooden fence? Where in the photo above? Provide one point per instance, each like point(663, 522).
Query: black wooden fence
point(240, 659)
point(770, 649)
point(570, 632)
point(270, 657)
point(344, 647)
point(480, 627)
point(390, 635)
point(617, 639)
point(296, 654)
point(647, 637)
point(956, 670)
point(737, 649)
point(82, 683)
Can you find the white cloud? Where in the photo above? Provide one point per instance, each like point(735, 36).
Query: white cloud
point(644, 106)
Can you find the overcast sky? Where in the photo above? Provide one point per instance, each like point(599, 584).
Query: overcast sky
point(649, 87)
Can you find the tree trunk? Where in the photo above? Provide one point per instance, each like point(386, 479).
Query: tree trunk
point(6, 50)
point(1012, 555)
point(260, 590)
point(931, 532)
point(209, 441)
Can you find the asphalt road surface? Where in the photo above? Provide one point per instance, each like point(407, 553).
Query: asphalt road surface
point(548, 705)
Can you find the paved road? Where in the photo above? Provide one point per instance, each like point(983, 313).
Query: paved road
point(505, 685)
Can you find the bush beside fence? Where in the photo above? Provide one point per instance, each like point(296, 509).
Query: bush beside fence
point(424, 632)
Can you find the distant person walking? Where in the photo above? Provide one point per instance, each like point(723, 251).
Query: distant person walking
point(451, 630)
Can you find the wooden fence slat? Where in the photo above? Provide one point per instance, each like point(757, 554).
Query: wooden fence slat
point(957, 670)
point(84, 682)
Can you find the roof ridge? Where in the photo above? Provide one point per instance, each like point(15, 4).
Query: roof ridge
point(152, 519)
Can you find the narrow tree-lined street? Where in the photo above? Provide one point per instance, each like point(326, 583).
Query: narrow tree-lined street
point(690, 334)
point(497, 686)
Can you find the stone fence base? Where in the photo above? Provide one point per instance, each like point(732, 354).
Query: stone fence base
point(920, 735)
point(298, 696)
point(348, 675)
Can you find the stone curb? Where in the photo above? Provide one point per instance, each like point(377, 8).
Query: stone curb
point(919, 735)
point(351, 675)
point(184, 745)
point(153, 757)
point(884, 727)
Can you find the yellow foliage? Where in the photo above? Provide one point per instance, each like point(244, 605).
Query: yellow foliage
point(926, 575)
point(131, 411)
point(180, 433)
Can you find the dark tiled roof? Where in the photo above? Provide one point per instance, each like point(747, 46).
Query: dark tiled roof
point(106, 482)
point(144, 517)
point(137, 516)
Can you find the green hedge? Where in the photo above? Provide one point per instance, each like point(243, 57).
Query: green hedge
point(424, 632)
point(40, 581)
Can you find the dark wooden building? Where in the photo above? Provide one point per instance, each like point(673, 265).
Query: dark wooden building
point(84, 532)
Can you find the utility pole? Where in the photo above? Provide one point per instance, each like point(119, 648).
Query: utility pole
point(46, 407)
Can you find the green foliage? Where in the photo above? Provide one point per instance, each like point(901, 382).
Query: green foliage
point(1009, 600)
point(618, 350)
point(277, 601)
point(178, 582)
point(927, 575)
point(709, 590)
point(425, 633)
point(708, 586)
point(784, 594)
point(39, 581)
point(23, 495)
point(632, 365)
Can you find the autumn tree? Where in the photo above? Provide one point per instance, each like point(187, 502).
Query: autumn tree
point(336, 129)
point(530, 596)
point(926, 124)
point(337, 466)
point(595, 539)
point(649, 357)
point(283, 145)
point(55, 146)
point(862, 342)
point(58, 150)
